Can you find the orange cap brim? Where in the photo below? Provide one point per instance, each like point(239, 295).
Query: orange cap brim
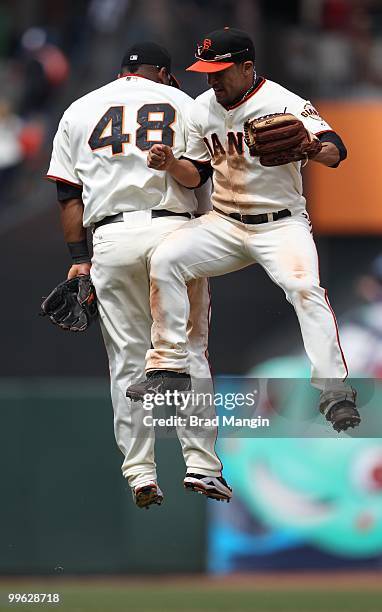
point(200, 66)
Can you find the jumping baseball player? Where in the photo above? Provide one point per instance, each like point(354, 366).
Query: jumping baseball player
point(258, 212)
point(99, 163)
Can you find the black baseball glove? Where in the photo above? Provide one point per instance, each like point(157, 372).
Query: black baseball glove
point(72, 305)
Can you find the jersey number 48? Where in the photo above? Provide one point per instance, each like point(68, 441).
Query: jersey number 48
point(155, 121)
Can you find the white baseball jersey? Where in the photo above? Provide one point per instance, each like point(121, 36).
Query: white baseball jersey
point(102, 141)
point(241, 183)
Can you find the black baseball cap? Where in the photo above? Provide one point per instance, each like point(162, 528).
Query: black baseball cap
point(151, 54)
point(221, 49)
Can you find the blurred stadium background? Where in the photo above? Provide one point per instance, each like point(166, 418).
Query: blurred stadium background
point(66, 514)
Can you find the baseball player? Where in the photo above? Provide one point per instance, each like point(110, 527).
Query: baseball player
point(258, 216)
point(99, 165)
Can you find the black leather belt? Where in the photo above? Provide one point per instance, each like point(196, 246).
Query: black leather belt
point(118, 218)
point(262, 218)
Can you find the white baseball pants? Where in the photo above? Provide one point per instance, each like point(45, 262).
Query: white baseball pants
point(214, 245)
point(120, 273)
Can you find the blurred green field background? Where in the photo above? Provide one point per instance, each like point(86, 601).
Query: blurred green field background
point(298, 593)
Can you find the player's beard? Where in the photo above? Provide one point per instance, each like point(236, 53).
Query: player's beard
point(239, 98)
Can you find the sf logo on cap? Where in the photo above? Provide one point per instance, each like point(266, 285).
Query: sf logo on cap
point(207, 42)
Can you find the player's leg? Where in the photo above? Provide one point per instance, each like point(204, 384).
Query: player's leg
point(198, 326)
point(209, 246)
point(205, 247)
point(120, 274)
point(204, 468)
point(287, 252)
point(120, 277)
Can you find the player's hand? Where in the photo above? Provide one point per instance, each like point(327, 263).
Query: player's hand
point(160, 157)
point(77, 269)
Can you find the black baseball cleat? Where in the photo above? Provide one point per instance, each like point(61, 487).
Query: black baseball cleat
point(341, 412)
point(214, 487)
point(146, 494)
point(159, 381)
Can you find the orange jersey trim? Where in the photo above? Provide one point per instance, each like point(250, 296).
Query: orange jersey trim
point(50, 177)
point(247, 97)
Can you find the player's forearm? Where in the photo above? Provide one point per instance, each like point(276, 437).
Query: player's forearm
point(184, 172)
point(329, 154)
point(71, 220)
point(75, 236)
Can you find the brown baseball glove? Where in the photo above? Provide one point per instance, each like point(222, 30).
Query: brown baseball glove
point(279, 139)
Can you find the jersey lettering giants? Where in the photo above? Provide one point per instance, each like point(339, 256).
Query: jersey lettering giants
point(241, 184)
point(234, 145)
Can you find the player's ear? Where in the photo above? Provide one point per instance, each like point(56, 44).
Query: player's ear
point(247, 67)
point(163, 76)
